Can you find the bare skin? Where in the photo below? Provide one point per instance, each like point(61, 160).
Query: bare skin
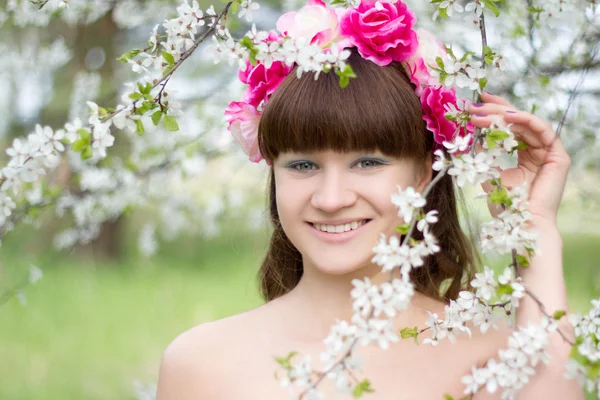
point(233, 358)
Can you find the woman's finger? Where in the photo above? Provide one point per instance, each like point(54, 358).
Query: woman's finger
point(490, 98)
point(535, 125)
point(488, 109)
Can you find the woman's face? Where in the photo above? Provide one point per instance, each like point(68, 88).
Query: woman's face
point(334, 206)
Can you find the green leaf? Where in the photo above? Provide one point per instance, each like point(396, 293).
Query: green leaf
point(448, 397)
point(145, 89)
point(440, 62)
point(409, 332)
point(500, 196)
point(345, 76)
point(505, 289)
point(129, 55)
point(498, 135)
point(492, 7)
point(443, 13)
point(285, 362)
point(135, 96)
point(362, 388)
point(84, 134)
point(518, 31)
point(403, 229)
point(149, 105)
point(168, 70)
point(466, 55)
point(171, 123)
point(140, 126)
point(521, 145)
point(87, 153)
point(544, 80)
point(247, 42)
point(168, 57)
point(558, 314)
point(156, 117)
point(79, 145)
point(483, 83)
point(522, 260)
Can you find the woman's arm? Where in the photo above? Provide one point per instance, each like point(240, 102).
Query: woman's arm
point(544, 167)
point(544, 278)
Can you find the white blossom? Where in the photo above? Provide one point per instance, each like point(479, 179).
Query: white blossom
point(247, 7)
point(407, 200)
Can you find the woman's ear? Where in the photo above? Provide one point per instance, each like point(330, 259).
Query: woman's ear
point(424, 173)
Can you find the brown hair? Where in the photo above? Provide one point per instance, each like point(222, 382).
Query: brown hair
point(377, 111)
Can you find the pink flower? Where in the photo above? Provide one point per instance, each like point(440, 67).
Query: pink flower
point(434, 101)
point(262, 82)
point(418, 66)
point(381, 31)
point(314, 22)
point(243, 121)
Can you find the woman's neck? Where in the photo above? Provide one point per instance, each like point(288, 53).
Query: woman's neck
point(320, 299)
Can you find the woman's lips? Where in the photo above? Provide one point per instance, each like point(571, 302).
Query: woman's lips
point(334, 237)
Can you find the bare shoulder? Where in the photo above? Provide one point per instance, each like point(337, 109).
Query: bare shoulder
point(194, 361)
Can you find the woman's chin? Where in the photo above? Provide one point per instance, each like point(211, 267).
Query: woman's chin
point(350, 268)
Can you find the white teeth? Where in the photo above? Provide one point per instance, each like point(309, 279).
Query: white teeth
point(339, 228)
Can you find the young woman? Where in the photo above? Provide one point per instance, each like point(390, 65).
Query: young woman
point(336, 157)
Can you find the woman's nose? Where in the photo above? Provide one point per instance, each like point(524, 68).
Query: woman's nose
point(333, 193)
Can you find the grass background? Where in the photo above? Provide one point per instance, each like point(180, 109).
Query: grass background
point(91, 328)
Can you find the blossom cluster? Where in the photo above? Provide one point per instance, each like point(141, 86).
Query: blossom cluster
point(145, 105)
point(526, 348)
point(583, 365)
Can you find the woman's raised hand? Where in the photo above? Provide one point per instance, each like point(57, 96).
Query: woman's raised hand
point(543, 165)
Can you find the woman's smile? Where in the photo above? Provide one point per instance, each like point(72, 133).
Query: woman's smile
point(339, 233)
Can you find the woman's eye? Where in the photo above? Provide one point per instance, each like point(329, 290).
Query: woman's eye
point(368, 163)
point(303, 166)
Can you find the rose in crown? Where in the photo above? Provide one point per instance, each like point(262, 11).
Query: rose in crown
point(317, 38)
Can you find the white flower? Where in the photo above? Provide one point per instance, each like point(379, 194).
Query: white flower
point(460, 144)
point(71, 130)
point(257, 36)
point(340, 337)
point(451, 6)
point(473, 170)
point(124, 120)
point(20, 151)
point(472, 79)
point(407, 200)
point(430, 218)
point(476, 7)
point(7, 205)
point(373, 330)
point(440, 161)
point(485, 282)
point(246, 8)
point(102, 139)
point(31, 171)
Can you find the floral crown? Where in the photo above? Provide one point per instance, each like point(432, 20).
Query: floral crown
point(316, 38)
